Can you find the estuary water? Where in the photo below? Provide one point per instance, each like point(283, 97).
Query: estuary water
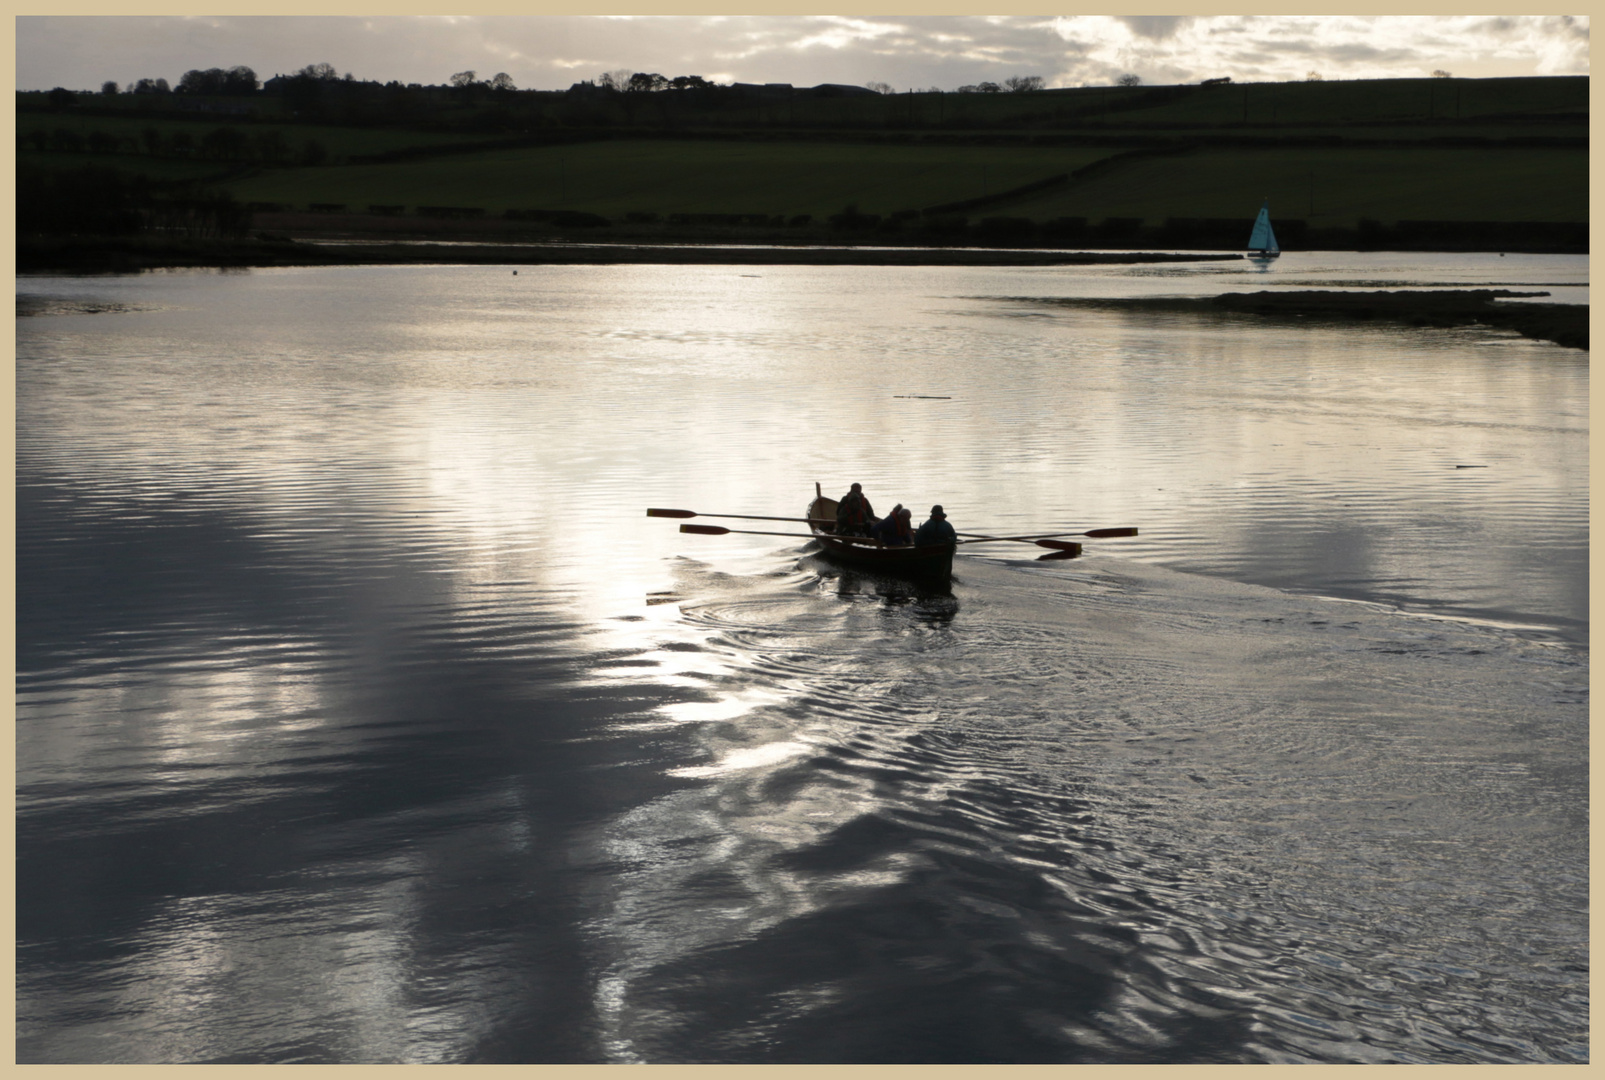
point(363, 715)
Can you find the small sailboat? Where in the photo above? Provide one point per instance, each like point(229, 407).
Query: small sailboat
point(1262, 241)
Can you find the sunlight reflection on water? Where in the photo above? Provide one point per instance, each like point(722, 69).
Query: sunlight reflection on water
point(364, 716)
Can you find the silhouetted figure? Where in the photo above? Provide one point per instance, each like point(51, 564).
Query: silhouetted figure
point(936, 530)
point(897, 528)
point(854, 515)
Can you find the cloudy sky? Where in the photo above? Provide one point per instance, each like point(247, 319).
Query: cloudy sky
point(907, 52)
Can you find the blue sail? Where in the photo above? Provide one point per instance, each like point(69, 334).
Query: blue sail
point(1263, 238)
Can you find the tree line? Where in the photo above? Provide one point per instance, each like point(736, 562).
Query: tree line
point(242, 81)
point(237, 81)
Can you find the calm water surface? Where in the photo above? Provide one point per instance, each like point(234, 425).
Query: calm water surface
point(364, 716)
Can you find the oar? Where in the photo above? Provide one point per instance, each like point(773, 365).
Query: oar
point(1035, 538)
point(657, 512)
point(1062, 545)
point(720, 530)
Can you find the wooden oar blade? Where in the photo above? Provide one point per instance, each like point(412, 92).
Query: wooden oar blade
point(654, 512)
point(1129, 531)
point(709, 530)
point(1062, 545)
point(1059, 555)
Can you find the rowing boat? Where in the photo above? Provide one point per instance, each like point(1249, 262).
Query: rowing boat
point(930, 560)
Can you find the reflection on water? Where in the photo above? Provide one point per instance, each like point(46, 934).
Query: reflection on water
point(362, 715)
point(931, 596)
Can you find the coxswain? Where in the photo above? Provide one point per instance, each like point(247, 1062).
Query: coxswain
point(936, 530)
point(854, 515)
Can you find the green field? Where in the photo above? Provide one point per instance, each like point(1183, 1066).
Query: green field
point(655, 176)
point(1333, 187)
point(1362, 108)
point(615, 178)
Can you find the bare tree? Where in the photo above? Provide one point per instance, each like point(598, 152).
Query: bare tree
point(1441, 74)
point(1129, 80)
point(502, 81)
point(1312, 76)
point(616, 80)
point(321, 72)
point(464, 79)
point(880, 87)
point(1022, 84)
point(108, 88)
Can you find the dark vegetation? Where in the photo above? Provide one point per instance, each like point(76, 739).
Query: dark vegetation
point(1564, 324)
point(222, 159)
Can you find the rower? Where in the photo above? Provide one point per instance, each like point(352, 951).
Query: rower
point(936, 530)
point(854, 515)
point(896, 529)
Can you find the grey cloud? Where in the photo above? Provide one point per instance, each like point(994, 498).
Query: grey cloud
point(1157, 27)
point(1500, 25)
point(550, 52)
point(1572, 26)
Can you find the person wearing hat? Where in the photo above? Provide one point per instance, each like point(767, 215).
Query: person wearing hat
point(936, 530)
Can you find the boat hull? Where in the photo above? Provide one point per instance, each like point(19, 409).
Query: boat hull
point(931, 561)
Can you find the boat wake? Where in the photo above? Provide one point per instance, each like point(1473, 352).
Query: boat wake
point(1113, 814)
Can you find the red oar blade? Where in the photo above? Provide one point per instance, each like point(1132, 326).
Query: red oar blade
point(710, 530)
point(1111, 532)
point(653, 512)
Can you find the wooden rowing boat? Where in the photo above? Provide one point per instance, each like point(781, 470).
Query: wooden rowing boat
point(931, 560)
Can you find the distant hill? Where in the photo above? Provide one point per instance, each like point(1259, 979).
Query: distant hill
point(1343, 163)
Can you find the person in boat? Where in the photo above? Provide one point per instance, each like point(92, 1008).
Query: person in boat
point(854, 515)
point(936, 530)
point(897, 528)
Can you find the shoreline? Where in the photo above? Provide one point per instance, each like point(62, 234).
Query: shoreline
point(118, 255)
